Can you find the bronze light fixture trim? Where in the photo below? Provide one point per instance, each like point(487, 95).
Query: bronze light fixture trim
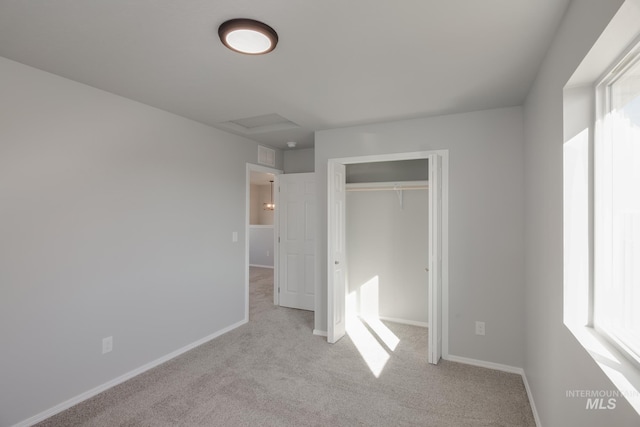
point(248, 36)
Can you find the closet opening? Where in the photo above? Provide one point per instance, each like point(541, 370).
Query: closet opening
point(385, 258)
point(387, 241)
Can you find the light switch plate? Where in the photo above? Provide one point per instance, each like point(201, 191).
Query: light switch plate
point(107, 345)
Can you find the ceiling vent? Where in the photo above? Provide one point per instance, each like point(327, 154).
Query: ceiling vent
point(266, 156)
point(259, 124)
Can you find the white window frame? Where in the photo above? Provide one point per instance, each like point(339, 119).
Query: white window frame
point(602, 199)
point(580, 118)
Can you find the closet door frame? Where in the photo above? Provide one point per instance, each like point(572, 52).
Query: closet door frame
point(438, 306)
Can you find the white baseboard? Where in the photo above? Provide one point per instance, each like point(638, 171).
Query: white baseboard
point(320, 333)
point(97, 390)
point(405, 321)
point(261, 266)
point(536, 417)
point(485, 364)
point(504, 368)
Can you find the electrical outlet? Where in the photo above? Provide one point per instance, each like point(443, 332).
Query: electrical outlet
point(107, 345)
point(268, 253)
point(479, 328)
point(234, 236)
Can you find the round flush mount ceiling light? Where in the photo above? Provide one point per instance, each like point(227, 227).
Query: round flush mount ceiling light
point(248, 36)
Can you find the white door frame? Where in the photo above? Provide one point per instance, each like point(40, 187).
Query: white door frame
point(444, 296)
point(264, 169)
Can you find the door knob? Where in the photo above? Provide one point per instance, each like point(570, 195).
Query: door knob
point(336, 262)
point(426, 269)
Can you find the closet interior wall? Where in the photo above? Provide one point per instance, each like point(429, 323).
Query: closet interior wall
point(387, 240)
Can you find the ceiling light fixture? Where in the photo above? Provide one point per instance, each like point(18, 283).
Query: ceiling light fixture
point(248, 36)
point(292, 144)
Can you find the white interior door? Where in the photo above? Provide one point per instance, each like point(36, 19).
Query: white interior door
point(435, 258)
point(337, 261)
point(297, 247)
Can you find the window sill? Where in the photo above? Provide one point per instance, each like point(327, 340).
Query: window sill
point(624, 375)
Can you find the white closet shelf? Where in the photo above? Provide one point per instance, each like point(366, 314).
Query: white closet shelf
point(380, 186)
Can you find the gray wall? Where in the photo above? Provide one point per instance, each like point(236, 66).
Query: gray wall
point(555, 362)
point(299, 161)
point(485, 219)
point(261, 246)
point(390, 243)
point(116, 221)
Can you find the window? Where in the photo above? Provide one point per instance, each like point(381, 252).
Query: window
point(616, 300)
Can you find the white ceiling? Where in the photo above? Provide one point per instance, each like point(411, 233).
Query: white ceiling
point(338, 63)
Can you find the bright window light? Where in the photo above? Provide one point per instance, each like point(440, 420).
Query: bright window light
point(388, 338)
point(374, 355)
point(370, 298)
point(367, 340)
point(576, 229)
point(617, 215)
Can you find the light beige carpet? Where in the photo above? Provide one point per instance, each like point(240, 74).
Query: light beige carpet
point(274, 372)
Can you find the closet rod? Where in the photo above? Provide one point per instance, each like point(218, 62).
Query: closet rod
point(382, 186)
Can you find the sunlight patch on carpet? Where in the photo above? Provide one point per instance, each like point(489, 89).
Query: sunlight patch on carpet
point(369, 340)
point(370, 349)
point(388, 338)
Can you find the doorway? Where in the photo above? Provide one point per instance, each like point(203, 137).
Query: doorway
point(261, 224)
point(340, 300)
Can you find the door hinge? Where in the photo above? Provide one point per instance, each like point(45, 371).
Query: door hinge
point(278, 239)
point(278, 289)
